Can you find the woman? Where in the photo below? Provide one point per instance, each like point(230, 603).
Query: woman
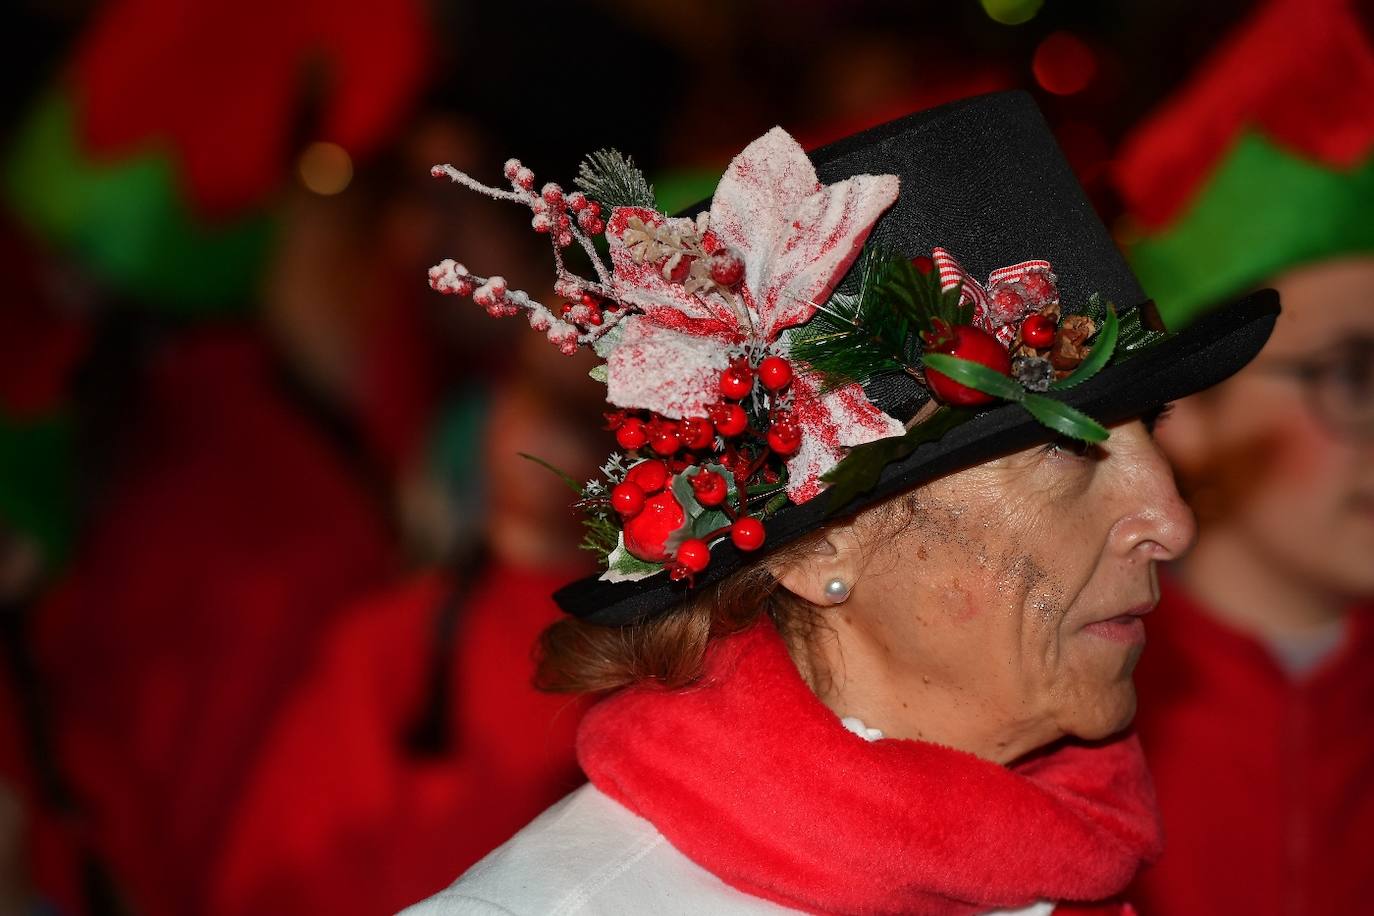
point(910, 700)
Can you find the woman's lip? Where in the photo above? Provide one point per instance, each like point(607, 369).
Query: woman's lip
point(1126, 627)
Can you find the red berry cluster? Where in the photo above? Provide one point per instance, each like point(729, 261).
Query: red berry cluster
point(667, 448)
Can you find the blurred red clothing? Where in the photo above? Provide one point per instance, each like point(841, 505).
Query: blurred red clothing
point(341, 817)
point(1266, 781)
point(229, 535)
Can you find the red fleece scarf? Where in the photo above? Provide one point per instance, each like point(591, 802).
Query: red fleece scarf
point(753, 778)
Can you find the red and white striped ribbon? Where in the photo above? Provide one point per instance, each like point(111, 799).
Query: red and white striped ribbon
point(952, 274)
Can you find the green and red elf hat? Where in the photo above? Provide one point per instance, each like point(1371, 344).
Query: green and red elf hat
point(1263, 162)
point(156, 157)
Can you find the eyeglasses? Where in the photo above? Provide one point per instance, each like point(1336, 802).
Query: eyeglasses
point(1339, 385)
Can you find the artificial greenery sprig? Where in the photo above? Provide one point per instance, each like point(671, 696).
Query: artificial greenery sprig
point(875, 331)
point(613, 180)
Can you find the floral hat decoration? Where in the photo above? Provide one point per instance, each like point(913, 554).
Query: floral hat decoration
point(812, 341)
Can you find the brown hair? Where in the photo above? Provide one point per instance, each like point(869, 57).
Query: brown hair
point(579, 657)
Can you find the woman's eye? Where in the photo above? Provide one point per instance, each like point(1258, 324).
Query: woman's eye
point(1069, 447)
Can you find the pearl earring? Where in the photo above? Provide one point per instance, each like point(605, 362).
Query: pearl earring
point(836, 590)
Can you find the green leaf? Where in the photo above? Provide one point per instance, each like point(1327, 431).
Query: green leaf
point(861, 468)
point(975, 376)
point(613, 180)
point(1064, 419)
point(1136, 336)
point(686, 497)
point(775, 503)
point(563, 475)
point(598, 373)
point(709, 521)
point(1103, 349)
point(623, 566)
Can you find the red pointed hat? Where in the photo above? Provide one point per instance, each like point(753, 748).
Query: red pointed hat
point(1265, 160)
point(820, 337)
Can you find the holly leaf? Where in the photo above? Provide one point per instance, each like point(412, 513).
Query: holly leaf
point(1102, 350)
point(686, 497)
point(1064, 419)
point(623, 566)
point(709, 521)
point(976, 376)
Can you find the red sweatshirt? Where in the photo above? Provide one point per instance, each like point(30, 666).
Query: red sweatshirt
point(338, 817)
point(1266, 781)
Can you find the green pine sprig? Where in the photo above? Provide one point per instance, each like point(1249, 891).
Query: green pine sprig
point(875, 331)
point(612, 180)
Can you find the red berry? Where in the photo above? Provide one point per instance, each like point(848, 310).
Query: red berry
point(923, 264)
point(975, 345)
point(727, 267)
point(631, 434)
point(694, 554)
point(650, 476)
point(775, 373)
point(1038, 331)
point(591, 300)
point(736, 382)
point(577, 200)
point(666, 439)
point(784, 436)
point(730, 419)
point(747, 533)
point(709, 488)
point(627, 499)
point(697, 433)
point(646, 534)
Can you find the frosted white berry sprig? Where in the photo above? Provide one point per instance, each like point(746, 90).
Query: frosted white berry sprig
point(565, 218)
point(499, 300)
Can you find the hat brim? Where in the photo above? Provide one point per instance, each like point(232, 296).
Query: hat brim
point(1199, 357)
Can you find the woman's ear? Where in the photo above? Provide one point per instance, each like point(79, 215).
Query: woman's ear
point(826, 573)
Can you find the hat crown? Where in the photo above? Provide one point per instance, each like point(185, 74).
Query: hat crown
point(984, 178)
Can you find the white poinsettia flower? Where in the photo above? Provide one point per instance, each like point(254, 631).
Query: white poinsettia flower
point(796, 238)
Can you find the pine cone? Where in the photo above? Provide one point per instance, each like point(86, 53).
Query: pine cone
point(1069, 349)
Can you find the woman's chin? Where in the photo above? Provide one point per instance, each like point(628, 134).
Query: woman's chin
point(1111, 711)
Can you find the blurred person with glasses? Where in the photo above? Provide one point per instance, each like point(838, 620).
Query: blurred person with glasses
point(1257, 694)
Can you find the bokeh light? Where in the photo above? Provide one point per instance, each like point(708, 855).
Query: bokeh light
point(1064, 64)
point(1012, 12)
point(325, 168)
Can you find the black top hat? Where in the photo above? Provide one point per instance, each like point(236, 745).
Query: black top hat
point(984, 179)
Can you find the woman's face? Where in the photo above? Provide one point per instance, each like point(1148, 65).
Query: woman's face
point(1007, 612)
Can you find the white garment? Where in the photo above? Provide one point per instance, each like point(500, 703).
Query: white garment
point(588, 855)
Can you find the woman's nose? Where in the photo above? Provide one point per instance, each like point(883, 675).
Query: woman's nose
point(1158, 525)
